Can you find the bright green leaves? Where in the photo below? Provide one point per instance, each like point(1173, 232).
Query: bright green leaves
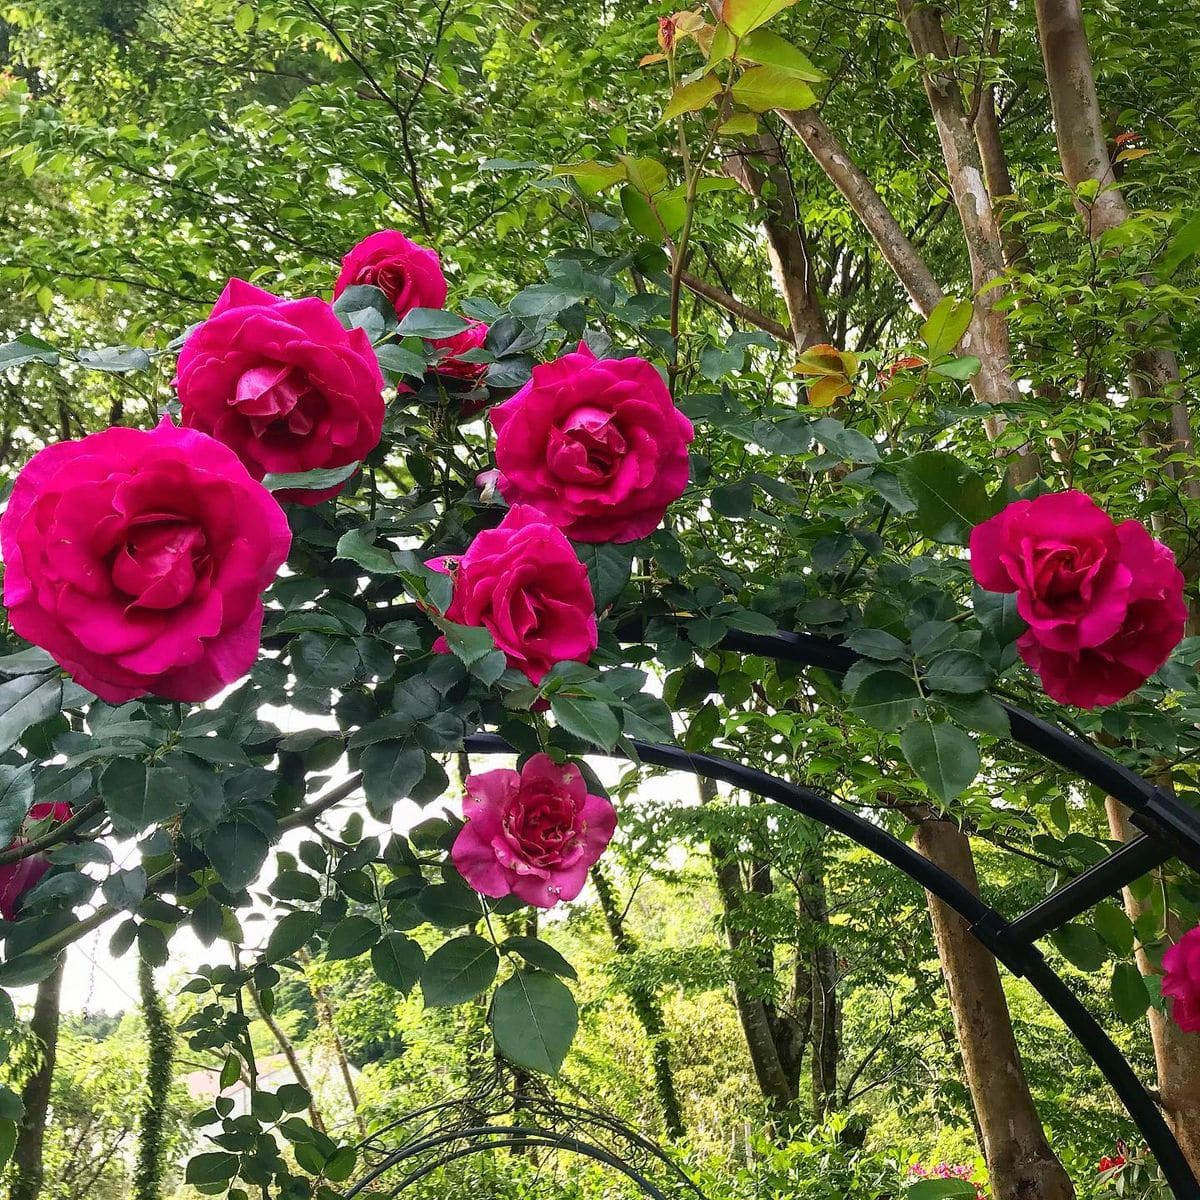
point(887, 700)
point(592, 720)
point(743, 16)
point(534, 1019)
point(691, 97)
point(951, 499)
point(941, 1189)
point(770, 50)
point(945, 326)
point(944, 758)
point(762, 89)
point(459, 970)
point(398, 961)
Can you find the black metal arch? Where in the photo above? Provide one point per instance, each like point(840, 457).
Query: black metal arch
point(1169, 830)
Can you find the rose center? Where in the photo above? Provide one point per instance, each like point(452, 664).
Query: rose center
point(586, 448)
point(1062, 574)
point(160, 561)
point(279, 402)
point(543, 827)
point(390, 278)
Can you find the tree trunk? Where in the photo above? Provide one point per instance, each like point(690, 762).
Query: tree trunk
point(826, 1006)
point(646, 1006)
point(1021, 1164)
point(1176, 1054)
point(325, 1019)
point(160, 1056)
point(775, 1040)
point(787, 247)
point(27, 1166)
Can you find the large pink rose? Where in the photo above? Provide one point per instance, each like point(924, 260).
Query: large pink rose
point(17, 878)
point(1181, 981)
point(596, 444)
point(409, 275)
point(523, 582)
point(138, 559)
point(534, 834)
point(448, 363)
point(1104, 602)
point(283, 384)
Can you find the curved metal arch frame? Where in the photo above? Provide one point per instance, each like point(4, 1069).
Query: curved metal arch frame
point(1170, 829)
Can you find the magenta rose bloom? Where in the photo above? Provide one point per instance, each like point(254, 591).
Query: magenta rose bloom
point(471, 338)
point(1104, 602)
point(409, 275)
point(1181, 981)
point(523, 583)
point(596, 444)
point(534, 834)
point(283, 384)
point(19, 877)
point(138, 560)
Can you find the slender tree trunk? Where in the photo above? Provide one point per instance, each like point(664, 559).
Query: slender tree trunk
point(648, 1009)
point(1021, 1164)
point(289, 1052)
point(27, 1164)
point(1176, 1054)
point(325, 1019)
point(160, 1056)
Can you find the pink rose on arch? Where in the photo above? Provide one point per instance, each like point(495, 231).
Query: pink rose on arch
point(17, 878)
point(408, 274)
point(1104, 602)
point(534, 834)
point(138, 559)
point(471, 338)
point(283, 384)
point(1181, 981)
point(523, 582)
point(597, 444)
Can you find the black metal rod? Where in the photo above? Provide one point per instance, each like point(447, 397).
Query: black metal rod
point(1122, 867)
point(987, 924)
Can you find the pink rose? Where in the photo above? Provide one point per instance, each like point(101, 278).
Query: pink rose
point(471, 338)
point(19, 877)
point(534, 834)
point(138, 559)
point(596, 444)
point(409, 275)
point(283, 384)
point(1104, 602)
point(1181, 980)
point(523, 582)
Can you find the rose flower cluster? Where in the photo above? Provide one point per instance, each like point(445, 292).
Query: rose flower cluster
point(1103, 602)
point(138, 559)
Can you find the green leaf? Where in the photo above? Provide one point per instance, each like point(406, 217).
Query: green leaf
point(981, 712)
point(27, 348)
point(539, 954)
point(762, 89)
point(877, 643)
point(449, 905)
point(243, 18)
point(945, 326)
point(458, 971)
point(309, 481)
point(468, 643)
point(290, 934)
point(27, 662)
point(691, 97)
point(957, 671)
point(1129, 994)
point(398, 962)
point(743, 123)
point(24, 702)
point(592, 720)
point(207, 1169)
point(534, 1019)
point(945, 759)
point(941, 1189)
point(770, 50)
point(887, 699)
point(26, 969)
point(237, 851)
point(744, 15)
point(957, 368)
point(1081, 946)
point(430, 323)
point(324, 662)
point(609, 567)
point(1184, 243)
point(391, 771)
point(137, 798)
point(1114, 927)
point(397, 361)
point(8, 1140)
point(351, 937)
point(951, 499)
point(358, 545)
point(16, 797)
point(119, 359)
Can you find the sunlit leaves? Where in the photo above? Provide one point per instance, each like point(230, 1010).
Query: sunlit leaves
point(742, 16)
point(762, 89)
